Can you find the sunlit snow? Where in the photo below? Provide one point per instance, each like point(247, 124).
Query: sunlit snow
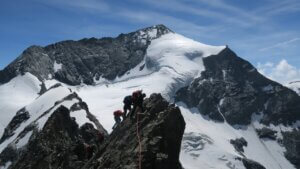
point(16, 94)
point(57, 66)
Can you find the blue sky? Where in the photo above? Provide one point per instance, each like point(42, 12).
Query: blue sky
point(264, 32)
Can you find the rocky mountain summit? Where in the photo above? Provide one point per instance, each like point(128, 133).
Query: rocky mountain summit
point(231, 90)
point(86, 60)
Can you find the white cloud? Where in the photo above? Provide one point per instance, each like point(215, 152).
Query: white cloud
point(213, 9)
point(281, 44)
point(282, 72)
point(187, 28)
point(85, 5)
point(279, 7)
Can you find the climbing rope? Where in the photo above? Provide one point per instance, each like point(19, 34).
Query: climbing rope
point(139, 140)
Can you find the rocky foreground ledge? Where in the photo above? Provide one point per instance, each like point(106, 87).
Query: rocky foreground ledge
point(161, 130)
point(61, 142)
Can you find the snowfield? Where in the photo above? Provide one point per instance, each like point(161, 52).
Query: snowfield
point(172, 61)
point(219, 153)
point(16, 94)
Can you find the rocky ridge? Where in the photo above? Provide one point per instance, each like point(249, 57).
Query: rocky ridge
point(62, 143)
point(161, 127)
point(232, 89)
point(29, 126)
point(86, 60)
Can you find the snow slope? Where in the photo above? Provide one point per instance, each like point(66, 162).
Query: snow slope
point(15, 94)
point(40, 110)
point(36, 109)
point(217, 151)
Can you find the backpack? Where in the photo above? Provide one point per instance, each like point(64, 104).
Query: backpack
point(136, 95)
point(118, 113)
point(127, 100)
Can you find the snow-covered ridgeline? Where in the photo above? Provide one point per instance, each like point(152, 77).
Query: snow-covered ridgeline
point(36, 109)
point(16, 94)
point(39, 111)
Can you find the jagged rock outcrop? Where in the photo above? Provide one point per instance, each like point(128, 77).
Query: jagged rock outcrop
point(161, 129)
point(59, 145)
point(21, 116)
point(73, 62)
point(231, 89)
point(238, 144)
point(291, 141)
point(250, 164)
point(266, 133)
point(41, 132)
point(62, 144)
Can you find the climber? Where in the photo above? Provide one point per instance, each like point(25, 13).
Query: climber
point(117, 114)
point(100, 136)
point(89, 150)
point(137, 100)
point(127, 105)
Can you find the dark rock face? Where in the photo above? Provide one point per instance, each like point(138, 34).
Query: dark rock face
point(86, 59)
point(161, 130)
point(232, 88)
point(291, 141)
point(56, 146)
point(250, 164)
point(238, 144)
point(266, 133)
point(21, 116)
point(59, 144)
point(62, 144)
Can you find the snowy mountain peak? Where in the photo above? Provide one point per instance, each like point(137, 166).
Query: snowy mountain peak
point(87, 60)
point(154, 32)
point(174, 50)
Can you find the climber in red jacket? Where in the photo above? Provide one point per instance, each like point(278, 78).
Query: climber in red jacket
point(117, 114)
